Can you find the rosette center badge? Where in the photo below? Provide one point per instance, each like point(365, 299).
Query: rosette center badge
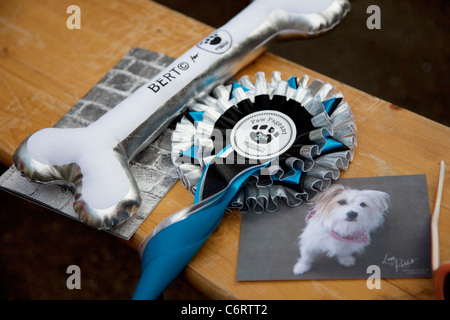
point(263, 134)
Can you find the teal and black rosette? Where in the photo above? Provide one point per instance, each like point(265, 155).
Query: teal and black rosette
point(323, 146)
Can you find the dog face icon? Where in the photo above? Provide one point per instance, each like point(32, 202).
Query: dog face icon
point(263, 134)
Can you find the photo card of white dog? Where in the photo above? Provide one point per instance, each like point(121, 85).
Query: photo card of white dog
point(355, 224)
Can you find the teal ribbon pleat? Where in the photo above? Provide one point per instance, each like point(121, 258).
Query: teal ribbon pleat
point(169, 251)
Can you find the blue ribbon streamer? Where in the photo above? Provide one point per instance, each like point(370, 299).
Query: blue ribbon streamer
point(169, 251)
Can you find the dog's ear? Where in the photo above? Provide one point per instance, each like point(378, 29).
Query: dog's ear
point(330, 193)
point(381, 199)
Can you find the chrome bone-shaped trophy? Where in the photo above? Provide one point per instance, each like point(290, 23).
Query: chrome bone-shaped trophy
point(94, 160)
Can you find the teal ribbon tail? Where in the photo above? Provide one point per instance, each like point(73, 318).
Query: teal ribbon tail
point(169, 250)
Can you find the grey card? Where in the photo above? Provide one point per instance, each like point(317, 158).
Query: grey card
point(152, 168)
point(269, 247)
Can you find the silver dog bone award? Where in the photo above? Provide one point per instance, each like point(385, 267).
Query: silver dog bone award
point(94, 160)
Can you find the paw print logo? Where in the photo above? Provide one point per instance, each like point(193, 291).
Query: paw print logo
point(213, 39)
point(263, 134)
point(217, 42)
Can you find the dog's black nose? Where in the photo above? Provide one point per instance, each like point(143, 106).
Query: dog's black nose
point(351, 215)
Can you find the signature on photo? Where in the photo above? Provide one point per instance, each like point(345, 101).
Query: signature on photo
point(398, 263)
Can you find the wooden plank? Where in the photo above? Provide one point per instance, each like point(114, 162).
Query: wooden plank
point(46, 68)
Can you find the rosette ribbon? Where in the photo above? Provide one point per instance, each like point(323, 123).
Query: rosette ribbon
point(245, 147)
point(174, 242)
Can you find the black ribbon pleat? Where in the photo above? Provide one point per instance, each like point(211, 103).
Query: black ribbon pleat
point(300, 116)
point(336, 102)
point(220, 173)
point(246, 107)
point(277, 103)
point(224, 123)
point(262, 102)
point(233, 113)
point(301, 140)
point(188, 116)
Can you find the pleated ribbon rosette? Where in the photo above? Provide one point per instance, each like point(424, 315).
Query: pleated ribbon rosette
point(324, 145)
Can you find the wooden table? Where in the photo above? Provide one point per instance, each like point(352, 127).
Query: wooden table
point(45, 68)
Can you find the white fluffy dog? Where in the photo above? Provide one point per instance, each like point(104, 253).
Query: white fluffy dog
point(340, 225)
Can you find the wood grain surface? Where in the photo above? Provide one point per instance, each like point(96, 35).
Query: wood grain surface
point(45, 68)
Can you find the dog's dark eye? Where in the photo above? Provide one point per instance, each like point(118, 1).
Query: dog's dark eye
point(363, 204)
point(342, 202)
